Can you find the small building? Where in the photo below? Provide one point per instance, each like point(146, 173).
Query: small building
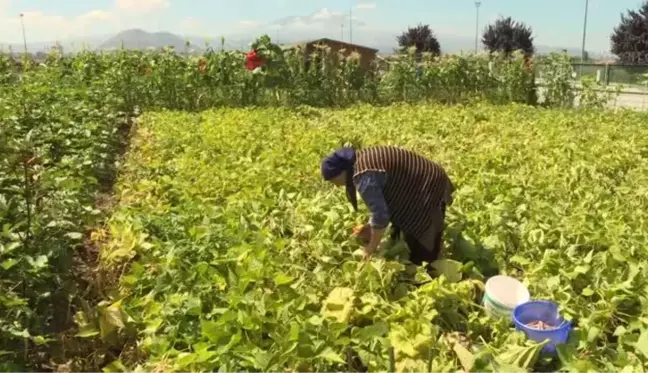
point(367, 55)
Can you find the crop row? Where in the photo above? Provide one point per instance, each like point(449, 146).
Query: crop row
point(240, 256)
point(58, 147)
point(154, 80)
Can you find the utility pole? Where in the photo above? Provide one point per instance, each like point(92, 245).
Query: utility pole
point(22, 22)
point(342, 32)
point(584, 33)
point(477, 5)
point(351, 24)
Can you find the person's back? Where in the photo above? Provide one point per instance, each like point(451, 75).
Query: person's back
point(398, 186)
point(414, 184)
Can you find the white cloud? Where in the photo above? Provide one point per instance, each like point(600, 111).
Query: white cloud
point(41, 26)
point(325, 14)
point(248, 24)
point(96, 15)
point(366, 6)
point(142, 6)
point(191, 25)
point(322, 20)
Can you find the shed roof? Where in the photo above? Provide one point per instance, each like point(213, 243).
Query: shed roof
point(324, 41)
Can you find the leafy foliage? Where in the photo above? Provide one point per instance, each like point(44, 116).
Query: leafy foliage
point(241, 257)
point(165, 80)
point(507, 36)
point(421, 38)
point(561, 90)
point(630, 38)
point(58, 147)
point(63, 123)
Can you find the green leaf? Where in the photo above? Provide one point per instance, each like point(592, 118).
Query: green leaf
point(75, 235)
point(283, 279)
point(38, 263)
point(211, 330)
point(330, 355)
point(39, 340)
point(592, 333)
point(194, 306)
point(294, 331)
point(339, 304)
point(371, 332)
point(9, 248)
point(451, 269)
point(184, 359)
point(111, 319)
point(642, 343)
point(7, 264)
point(465, 357)
point(115, 367)
point(87, 332)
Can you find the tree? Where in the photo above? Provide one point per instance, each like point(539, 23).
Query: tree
point(507, 36)
point(421, 37)
point(630, 38)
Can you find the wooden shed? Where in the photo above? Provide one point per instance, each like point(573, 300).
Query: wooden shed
point(367, 55)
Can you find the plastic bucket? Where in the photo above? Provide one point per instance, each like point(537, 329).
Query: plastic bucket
point(503, 294)
point(547, 312)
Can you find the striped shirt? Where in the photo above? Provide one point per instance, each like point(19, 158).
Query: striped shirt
point(414, 185)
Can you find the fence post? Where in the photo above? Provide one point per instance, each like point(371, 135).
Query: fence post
point(607, 74)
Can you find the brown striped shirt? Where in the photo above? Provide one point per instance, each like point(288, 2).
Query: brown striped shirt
point(415, 185)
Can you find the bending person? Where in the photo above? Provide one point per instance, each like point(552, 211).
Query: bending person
point(398, 186)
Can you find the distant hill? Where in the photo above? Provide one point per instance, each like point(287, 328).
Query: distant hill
point(69, 45)
point(383, 40)
point(140, 39)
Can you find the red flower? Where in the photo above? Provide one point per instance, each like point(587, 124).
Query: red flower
point(253, 60)
point(528, 64)
point(202, 65)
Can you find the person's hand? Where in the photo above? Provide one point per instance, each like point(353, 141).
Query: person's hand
point(368, 252)
point(374, 241)
point(362, 233)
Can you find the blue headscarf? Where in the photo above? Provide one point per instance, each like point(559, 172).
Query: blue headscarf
point(339, 161)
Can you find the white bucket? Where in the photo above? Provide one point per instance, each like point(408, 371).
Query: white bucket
point(503, 294)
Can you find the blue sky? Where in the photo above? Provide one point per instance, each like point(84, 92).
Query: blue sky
point(555, 22)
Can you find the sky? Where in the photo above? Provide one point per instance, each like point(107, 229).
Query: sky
point(554, 22)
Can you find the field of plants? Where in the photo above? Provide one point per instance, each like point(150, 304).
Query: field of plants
point(241, 257)
point(213, 244)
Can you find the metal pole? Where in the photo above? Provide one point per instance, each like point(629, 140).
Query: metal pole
point(477, 4)
point(584, 37)
point(22, 22)
point(351, 24)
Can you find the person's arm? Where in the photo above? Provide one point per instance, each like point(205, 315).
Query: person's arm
point(370, 185)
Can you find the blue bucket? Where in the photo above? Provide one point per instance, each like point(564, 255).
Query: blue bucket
point(547, 312)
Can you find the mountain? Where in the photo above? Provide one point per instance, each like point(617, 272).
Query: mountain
point(383, 40)
point(140, 39)
point(69, 45)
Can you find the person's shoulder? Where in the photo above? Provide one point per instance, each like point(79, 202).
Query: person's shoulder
point(382, 148)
